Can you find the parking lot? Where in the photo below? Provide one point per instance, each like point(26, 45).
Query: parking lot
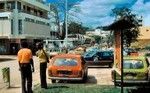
point(98, 75)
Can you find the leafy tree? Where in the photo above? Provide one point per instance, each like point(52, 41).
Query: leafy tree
point(131, 32)
point(97, 38)
point(74, 28)
point(54, 13)
point(60, 10)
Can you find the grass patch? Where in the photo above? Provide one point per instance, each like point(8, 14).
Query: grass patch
point(76, 88)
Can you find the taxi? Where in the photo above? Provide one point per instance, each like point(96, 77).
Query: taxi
point(67, 67)
point(136, 71)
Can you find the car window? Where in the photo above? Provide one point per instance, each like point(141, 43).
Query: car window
point(133, 64)
point(65, 62)
point(106, 54)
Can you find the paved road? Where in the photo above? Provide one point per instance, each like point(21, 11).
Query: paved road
point(101, 76)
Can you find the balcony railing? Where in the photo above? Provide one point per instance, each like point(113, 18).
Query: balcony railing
point(6, 10)
point(31, 13)
point(24, 11)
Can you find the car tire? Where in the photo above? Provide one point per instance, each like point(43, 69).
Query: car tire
point(110, 65)
point(53, 81)
point(85, 77)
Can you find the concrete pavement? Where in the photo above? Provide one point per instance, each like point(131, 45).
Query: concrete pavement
point(15, 78)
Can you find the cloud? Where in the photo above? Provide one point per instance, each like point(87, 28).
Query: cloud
point(141, 7)
point(98, 12)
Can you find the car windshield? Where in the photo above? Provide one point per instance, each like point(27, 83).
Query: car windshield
point(89, 53)
point(65, 62)
point(133, 64)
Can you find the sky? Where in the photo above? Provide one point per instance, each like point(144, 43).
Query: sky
point(95, 13)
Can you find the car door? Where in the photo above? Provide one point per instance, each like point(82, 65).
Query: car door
point(107, 55)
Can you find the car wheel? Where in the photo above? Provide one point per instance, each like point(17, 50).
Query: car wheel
point(110, 65)
point(53, 81)
point(85, 77)
point(95, 59)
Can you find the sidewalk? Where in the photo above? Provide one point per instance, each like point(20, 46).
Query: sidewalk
point(15, 79)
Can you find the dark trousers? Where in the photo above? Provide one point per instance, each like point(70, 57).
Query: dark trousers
point(43, 67)
point(26, 76)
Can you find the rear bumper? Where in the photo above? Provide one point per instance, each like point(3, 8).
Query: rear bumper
point(133, 82)
point(65, 78)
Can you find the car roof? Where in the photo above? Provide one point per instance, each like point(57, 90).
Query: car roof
point(106, 51)
point(67, 55)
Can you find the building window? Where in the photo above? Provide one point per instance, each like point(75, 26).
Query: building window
point(29, 20)
point(11, 5)
point(1, 6)
point(19, 6)
point(20, 26)
point(11, 26)
point(3, 18)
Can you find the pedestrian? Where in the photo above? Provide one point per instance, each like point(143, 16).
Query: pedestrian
point(43, 59)
point(26, 67)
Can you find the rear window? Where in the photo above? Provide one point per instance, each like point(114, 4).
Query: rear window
point(133, 64)
point(65, 62)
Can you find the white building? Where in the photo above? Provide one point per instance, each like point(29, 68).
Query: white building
point(101, 32)
point(22, 20)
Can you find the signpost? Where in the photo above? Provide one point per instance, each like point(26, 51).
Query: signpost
point(119, 55)
point(6, 75)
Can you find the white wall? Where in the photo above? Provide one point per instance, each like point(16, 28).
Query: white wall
point(5, 27)
point(36, 30)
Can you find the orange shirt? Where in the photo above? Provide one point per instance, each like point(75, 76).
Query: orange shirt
point(24, 55)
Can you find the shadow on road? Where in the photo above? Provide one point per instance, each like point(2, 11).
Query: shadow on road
point(5, 59)
point(90, 80)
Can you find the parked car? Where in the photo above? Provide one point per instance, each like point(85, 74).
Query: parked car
point(99, 58)
point(136, 71)
point(92, 49)
point(78, 50)
point(67, 67)
point(130, 51)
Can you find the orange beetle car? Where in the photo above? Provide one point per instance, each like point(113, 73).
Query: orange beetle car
point(67, 67)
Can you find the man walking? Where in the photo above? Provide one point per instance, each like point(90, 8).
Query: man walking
point(26, 67)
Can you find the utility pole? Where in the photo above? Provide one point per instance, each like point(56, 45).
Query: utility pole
point(66, 22)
